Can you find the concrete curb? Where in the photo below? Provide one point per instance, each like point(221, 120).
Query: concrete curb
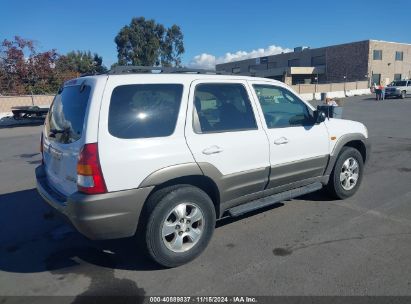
point(337, 94)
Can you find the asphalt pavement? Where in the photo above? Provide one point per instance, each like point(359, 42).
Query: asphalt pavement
point(307, 246)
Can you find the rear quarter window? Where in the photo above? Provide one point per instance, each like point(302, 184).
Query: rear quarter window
point(144, 110)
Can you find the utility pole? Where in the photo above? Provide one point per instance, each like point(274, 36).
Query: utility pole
point(345, 81)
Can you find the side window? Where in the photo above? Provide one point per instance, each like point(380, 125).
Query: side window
point(282, 108)
point(144, 110)
point(220, 107)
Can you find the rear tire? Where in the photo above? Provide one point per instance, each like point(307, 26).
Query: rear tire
point(180, 224)
point(346, 176)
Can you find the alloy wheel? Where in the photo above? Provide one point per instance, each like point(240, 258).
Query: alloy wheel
point(349, 175)
point(183, 227)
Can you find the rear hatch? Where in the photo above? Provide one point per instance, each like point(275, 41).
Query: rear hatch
point(63, 135)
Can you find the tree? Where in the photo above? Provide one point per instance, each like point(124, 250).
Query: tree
point(81, 62)
point(173, 47)
point(145, 42)
point(23, 70)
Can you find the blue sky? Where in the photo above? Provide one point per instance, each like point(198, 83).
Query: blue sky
point(212, 28)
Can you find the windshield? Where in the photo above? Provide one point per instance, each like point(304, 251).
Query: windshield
point(398, 83)
point(65, 120)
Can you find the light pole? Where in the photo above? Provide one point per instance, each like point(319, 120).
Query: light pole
point(345, 79)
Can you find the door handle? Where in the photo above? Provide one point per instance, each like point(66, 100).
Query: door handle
point(281, 141)
point(212, 150)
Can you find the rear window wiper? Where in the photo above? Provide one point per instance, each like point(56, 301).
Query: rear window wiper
point(53, 132)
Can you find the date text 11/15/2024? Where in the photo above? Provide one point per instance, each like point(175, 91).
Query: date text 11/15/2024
point(203, 299)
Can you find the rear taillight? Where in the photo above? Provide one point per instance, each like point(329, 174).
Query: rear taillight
point(90, 179)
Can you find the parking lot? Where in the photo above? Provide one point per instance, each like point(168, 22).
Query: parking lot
point(307, 246)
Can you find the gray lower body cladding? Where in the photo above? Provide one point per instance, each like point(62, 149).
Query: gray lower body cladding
point(236, 189)
point(275, 198)
point(296, 171)
point(341, 143)
point(101, 216)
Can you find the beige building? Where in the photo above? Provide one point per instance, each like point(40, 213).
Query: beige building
point(370, 60)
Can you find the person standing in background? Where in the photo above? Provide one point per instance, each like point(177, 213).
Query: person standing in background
point(331, 102)
point(378, 92)
point(382, 87)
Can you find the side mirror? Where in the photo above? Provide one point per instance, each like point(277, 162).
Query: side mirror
point(319, 116)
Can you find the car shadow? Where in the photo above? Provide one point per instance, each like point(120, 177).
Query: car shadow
point(9, 122)
point(317, 196)
point(34, 238)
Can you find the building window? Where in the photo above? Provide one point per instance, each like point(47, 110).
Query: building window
point(317, 60)
point(294, 62)
point(399, 56)
point(263, 60)
point(257, 67)
point(397, 76)
point(235, 70)
point(376, 78)
point(377, 55)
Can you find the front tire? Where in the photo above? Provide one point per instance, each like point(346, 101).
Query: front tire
point(402, 96)
point(346, 176)
point(180, 225)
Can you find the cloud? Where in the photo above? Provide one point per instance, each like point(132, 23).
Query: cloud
point(208, 61)
point(203, 61)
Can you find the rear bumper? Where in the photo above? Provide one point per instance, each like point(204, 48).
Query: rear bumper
point(101, 216)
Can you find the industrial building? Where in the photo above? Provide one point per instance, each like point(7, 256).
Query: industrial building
point(372, 60)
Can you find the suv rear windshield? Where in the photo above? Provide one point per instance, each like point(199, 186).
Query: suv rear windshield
point(144, 110)
point(66, 116)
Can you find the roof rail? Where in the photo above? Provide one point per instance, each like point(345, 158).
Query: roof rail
point(135, 69)
point(89, 74)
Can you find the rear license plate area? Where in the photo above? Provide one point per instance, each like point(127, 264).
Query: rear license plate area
point(55, 159)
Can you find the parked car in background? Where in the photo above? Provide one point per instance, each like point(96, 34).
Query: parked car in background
point(164, 155)
point(398, 89)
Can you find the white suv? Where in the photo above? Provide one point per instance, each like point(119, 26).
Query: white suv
point(164, 155)
point(398, 88)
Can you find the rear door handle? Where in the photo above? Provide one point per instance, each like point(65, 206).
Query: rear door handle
point(281, 141)
point(212, 150)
